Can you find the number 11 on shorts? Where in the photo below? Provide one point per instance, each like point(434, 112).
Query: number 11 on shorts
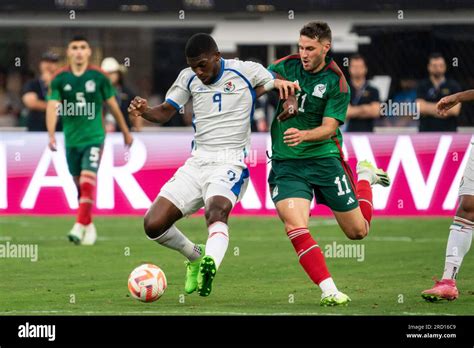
point(340, 191)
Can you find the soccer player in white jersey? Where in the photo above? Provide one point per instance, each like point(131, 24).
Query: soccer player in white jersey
point(460, 235)
point(215, 176)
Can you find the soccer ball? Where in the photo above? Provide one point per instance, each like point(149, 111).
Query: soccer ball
point(147, 283)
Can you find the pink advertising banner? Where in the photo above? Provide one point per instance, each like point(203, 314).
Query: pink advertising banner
point(426, 170)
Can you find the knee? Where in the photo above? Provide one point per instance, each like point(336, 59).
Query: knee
point(216, 213)
point(357, 232)
point(154, 226)
point(465, 211)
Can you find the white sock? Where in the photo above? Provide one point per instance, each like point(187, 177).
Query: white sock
point(217, 241)
point(328, 286)
point(459, 242)
point(176, 240)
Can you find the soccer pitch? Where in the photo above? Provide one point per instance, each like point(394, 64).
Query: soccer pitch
point(383, 274)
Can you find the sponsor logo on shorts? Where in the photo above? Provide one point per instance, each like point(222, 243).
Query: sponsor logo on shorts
point(350, 201)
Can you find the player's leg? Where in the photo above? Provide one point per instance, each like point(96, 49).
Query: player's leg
point(350, 201)
point(224, 186)
point(76, 234)
point(179, 197)
point(90, 161)
point(459, 243)
point(292, 195)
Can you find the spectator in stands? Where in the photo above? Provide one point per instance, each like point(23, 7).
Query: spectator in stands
point(364, 107)
point(124, 95)
point(9, 105)
point(430, 91)
point(35, 91)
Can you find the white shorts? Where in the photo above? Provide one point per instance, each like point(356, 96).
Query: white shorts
point(467, 181)
point(199, 179)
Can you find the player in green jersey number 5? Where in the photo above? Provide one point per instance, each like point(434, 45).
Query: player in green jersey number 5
point(307, 158)
point(76, 94)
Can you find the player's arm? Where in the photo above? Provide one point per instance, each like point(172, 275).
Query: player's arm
point(446, 104)
point(120, 120)
point(53, 97)
point(325, 131)
point(51, 121)
point(158, 114)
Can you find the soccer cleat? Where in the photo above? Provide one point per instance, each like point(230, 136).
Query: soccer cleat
point(77, 233)
point(376, 175)
point(444, 289)
point(192, 270)
point(90, 236)
point(335, 299)
point(207, 272)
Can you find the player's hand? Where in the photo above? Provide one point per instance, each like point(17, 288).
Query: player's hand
point(286, 88)
point(445, 104)
point(52, 144)
point(137, 107)
point(293, 136)
point(290, 108)
point(128, 139)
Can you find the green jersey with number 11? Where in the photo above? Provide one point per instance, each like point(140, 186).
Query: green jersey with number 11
point(323, 94)
point(81, 99)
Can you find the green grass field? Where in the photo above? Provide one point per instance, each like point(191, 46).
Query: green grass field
point(260, 274)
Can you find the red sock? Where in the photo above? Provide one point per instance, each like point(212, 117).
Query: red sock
point(310, 255)
point(86, 185)
point(364, 195)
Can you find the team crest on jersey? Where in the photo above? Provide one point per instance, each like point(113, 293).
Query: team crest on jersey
point(67, 87)
point(319, 90)
point(90, 86)
point(229, 87)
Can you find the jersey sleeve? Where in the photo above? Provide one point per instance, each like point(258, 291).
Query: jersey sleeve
point(338, 101)
point(278, 68)
point(256, 73)
point(107, 89)
point(179, 93)
point(54, 90)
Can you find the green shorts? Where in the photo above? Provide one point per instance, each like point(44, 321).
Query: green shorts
point(329, 179)
point(85, 157)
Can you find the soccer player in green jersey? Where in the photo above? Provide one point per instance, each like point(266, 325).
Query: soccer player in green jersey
point(307, 158)
point(77, 93)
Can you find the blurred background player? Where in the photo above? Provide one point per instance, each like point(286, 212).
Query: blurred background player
point(460, 235)
point(216, 176)
point(430, 91)
point(307, 158)
point(82, 88)
point(364, 107)
point(35, 93)
point(124, 95)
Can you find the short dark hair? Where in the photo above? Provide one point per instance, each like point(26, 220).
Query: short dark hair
point(358, 56)
point(200, 43)
point(435, 55)
point(317, 30)
point(49, 57)
point(78, 38)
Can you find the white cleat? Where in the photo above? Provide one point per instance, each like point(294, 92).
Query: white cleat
point(90, 235)
point(375, 176)
point(77, 233)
